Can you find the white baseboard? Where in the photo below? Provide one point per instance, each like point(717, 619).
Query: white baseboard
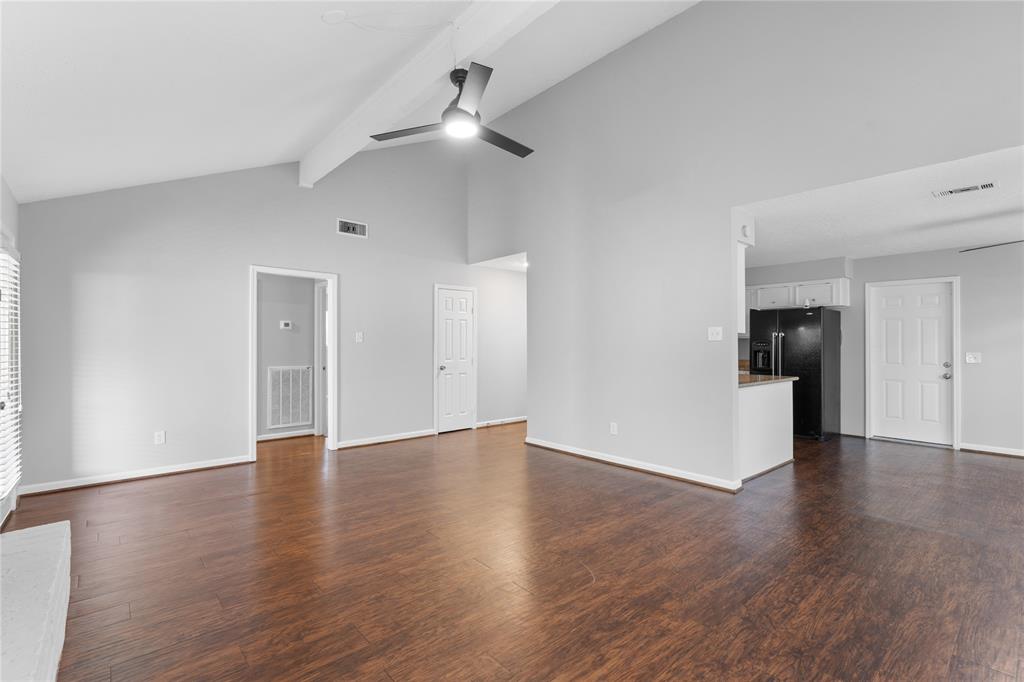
point(128, 475)
point(8, 504)
point(999, 450)
point(496, 422)
point(712, 481)
point(373, 440)
point(284, 434)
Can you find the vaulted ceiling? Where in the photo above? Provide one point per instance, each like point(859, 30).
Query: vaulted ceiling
point(102, 95)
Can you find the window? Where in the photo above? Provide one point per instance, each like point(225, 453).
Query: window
point(10, 373)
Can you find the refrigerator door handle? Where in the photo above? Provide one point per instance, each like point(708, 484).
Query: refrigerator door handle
point(775, 354)
point(782, 337)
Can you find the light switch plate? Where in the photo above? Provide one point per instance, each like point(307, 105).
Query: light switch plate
point(159, 437)
point(974, 358)
point(613, 428)
point(286, 324)
point(359, 337)
point(714, 333)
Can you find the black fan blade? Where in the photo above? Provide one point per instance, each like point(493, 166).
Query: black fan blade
point(499, 140)
point(473, 88)
point(406, 132)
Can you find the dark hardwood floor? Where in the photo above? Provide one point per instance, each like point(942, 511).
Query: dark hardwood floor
point(472, 556)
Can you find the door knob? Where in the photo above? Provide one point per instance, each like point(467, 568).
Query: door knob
point(947, 375)
point(442, 368)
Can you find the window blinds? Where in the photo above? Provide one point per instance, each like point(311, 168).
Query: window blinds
point(10, 373)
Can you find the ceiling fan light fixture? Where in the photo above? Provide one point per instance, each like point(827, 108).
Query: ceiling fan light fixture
point(461, 128)
point(458, 123)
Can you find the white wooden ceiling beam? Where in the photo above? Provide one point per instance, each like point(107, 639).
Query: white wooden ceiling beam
point(477, 32)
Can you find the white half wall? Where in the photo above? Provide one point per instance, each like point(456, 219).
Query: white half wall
point(624, 208)
point(136, 306)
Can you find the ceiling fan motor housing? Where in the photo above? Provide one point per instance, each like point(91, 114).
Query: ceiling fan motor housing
point(458, 77)
point(453, 112)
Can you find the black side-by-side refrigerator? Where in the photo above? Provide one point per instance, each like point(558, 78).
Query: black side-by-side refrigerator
point(804, 343)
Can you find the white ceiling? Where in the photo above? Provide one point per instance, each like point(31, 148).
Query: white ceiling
point(895, 213)
point(101, 95)
point(98, 95)
point(515, 261)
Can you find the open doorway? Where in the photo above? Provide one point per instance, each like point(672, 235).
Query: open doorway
point(292, 370)
point(894, 259)
point(480, 344)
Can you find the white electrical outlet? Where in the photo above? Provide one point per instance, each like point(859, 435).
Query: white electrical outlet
point(714, 333)
point(974, 358)
point(159, 437)
point(613, 428)
point(359, 337)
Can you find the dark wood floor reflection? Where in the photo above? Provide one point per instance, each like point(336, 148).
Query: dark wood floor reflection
point(472, 556)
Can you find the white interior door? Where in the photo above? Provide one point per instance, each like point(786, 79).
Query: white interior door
point(455, 357)
point(911, 366)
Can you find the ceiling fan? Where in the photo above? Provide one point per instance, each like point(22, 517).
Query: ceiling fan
point(461, 118)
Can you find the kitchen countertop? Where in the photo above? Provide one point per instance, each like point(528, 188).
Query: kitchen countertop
point(747, 380)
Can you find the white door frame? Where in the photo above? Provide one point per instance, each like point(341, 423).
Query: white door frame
point(869, 426)
point(476, 365)
point(319, 396)
point(332, 345)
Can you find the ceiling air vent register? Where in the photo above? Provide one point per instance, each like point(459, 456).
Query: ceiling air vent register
point(942, 193)
point(351, 228)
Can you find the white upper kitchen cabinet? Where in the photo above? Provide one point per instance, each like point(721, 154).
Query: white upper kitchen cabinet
point(830, 293)
point(775, 296)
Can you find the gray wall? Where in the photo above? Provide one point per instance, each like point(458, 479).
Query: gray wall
point(136, 305)
point(502, 338)
point(283, 298)
point(625, 206)
point(8, 217)
point(796, 272)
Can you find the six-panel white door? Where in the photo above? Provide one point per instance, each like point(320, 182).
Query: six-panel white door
point(912, 362)
point(456, 367)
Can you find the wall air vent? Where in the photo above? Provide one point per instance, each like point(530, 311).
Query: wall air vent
point(939, 194)
point(351, 228)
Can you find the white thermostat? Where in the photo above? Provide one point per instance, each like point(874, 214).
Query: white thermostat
point(286, 324)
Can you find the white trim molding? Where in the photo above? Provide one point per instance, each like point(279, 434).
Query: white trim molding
point(285, 434)
point(373, 440)
point(130, 475)
point(333, 358)
point(498, 422)
point(954, 282)
point(709, 481)
point(995, 449)
point(7, 505)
